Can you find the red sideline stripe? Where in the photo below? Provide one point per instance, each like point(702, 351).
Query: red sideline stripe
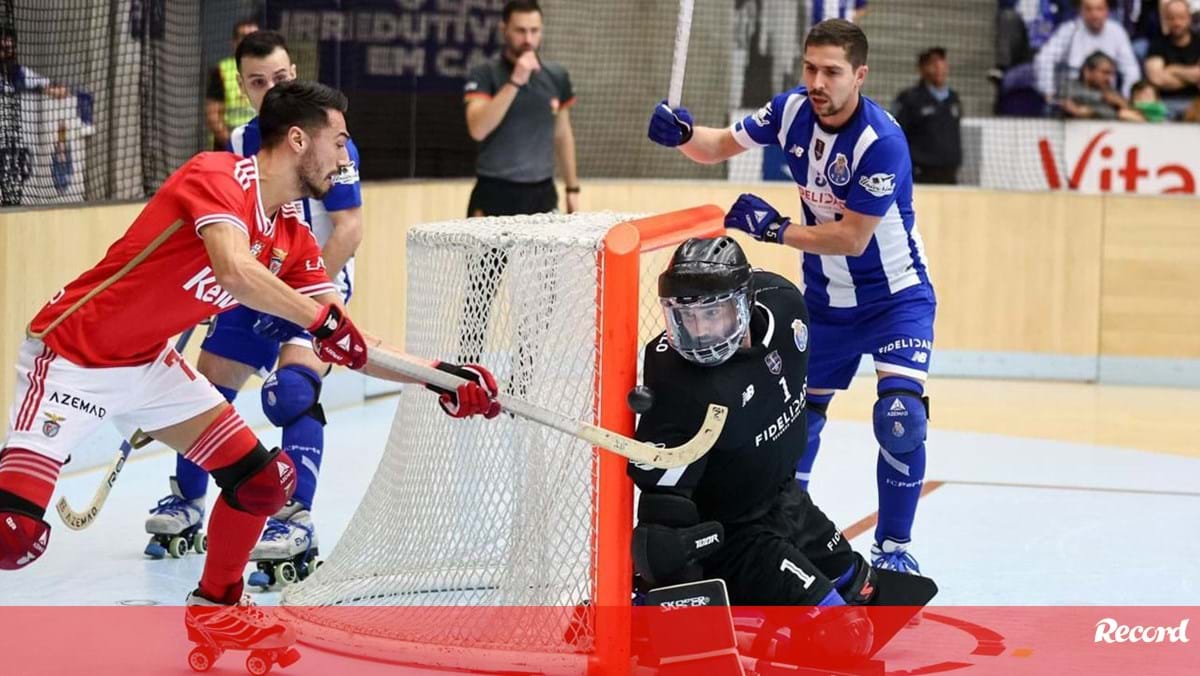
point(37, 386)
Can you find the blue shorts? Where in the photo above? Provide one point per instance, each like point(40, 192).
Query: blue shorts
point(897, 333)
point(231, 335)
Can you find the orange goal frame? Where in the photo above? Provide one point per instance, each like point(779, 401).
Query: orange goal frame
point(617, 331)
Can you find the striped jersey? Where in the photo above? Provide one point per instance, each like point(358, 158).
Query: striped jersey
point(864, 166)
point(346, 193)
point(156, 280)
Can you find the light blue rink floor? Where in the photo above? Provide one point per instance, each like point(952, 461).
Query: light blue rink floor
point(1014, 521)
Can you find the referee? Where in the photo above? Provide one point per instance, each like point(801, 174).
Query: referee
point(517, 108)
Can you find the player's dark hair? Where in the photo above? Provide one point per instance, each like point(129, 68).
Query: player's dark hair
point(523, 6)
point(260, 44)
point(840, 33)
point(237, 27)
point(299, 103)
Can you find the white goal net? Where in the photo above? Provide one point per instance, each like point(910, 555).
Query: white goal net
point(466, 520)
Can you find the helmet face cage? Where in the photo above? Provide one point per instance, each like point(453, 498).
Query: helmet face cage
point(708, 330)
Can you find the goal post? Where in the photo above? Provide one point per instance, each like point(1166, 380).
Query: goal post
point(500, 544)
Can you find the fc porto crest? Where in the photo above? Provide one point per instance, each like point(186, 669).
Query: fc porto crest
point(818, 150)
point(51, 425)
point(839, 171)
point(800, 334)
point(277, 256)
point(774, 362)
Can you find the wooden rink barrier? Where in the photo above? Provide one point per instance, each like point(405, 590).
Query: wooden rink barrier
point(1055, 274)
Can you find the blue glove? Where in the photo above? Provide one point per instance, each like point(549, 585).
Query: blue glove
point(276, 328)
point(670, 128)
point(751, 214)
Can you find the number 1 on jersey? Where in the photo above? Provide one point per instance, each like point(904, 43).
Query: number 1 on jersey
point(787, 394)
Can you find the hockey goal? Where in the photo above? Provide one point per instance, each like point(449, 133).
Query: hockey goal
point(501, 545)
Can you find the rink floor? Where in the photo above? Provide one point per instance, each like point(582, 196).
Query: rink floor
point(1008, 520)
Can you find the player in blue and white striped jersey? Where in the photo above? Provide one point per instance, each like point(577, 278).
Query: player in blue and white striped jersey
point(242, 341)
point(865, 276)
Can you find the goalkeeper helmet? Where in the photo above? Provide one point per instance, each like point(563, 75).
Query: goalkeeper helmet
point(705, 294)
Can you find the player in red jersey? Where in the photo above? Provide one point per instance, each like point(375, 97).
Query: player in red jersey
point(221, 231)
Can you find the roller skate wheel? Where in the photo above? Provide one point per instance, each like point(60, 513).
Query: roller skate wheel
point(200, 542)
point(200, 659)
point(289, 657)
point(177, 547)
point(258, 663)
point(285, 573)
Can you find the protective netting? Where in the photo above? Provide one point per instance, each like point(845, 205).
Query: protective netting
point(102, 99)
point(466, 519)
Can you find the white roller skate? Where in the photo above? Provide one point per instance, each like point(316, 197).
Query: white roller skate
point(892, 555)
point(287, 551)
point(174, 526)
point(216, 627)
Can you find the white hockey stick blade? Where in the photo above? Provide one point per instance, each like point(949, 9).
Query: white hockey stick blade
point(683, 34)
point(80, 520)
point(637, 451)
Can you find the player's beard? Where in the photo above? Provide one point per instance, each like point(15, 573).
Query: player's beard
point(315, 183)
point(829, 108)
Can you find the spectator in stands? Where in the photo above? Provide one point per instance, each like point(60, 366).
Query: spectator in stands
point(1173, 62)
point(15, 78)
point(1092, 95)
point(929, 113)
point(1060, 59)
point(225, 106)
point(1012, 39)
point(820, 10)
point(1147, 102)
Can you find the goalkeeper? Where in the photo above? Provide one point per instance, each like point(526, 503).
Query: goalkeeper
point(739, 338)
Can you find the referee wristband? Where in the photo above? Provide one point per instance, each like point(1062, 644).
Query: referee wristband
point(510, 81)
point(573, 189)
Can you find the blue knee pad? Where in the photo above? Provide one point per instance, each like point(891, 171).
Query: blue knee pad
point(290, 393)
point(901, 415)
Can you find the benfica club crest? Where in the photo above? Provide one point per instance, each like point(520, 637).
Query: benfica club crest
point(774, 362)
point(277, 256)
point(51, 426)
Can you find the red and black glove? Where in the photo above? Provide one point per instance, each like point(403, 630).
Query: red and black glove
point(336, 340)
point(477, 396)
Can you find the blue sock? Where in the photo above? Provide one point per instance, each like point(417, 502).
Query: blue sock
point(900, 477)
point(304, 441)
point(814, 414)
point(193, 480)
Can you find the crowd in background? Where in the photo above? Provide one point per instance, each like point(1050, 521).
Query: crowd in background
point(1133, 60)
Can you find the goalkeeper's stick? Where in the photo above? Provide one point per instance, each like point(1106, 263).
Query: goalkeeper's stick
point(683, 33)
point(80, 520)
point(633, 449)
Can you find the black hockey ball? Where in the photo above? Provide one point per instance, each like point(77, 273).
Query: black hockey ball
point(640, 399)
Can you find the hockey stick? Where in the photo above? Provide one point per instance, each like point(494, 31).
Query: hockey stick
point(80, 520)
point(683, 33)
point(637, 451)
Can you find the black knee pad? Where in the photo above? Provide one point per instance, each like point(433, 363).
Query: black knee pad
point(260, 483)
point(669, 541)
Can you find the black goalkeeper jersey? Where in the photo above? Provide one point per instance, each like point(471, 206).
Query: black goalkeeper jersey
point(763, 387)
